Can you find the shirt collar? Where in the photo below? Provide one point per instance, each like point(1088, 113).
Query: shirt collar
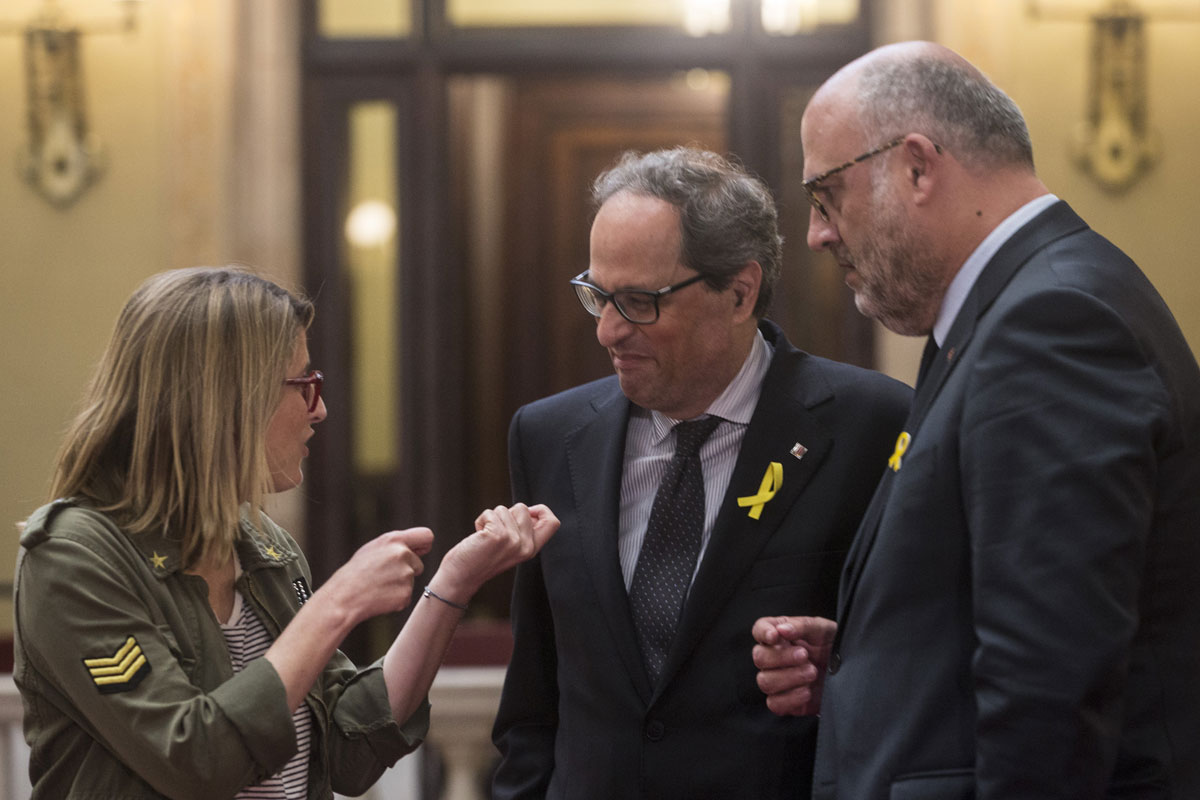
point(736, 403)
point(961, 286)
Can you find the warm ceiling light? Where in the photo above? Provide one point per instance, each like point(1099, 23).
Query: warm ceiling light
point(371, 223)
point(789, 17)
point(705, 17)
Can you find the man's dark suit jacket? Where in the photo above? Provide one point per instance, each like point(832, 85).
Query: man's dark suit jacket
point(578, 717)
point(1019, 615)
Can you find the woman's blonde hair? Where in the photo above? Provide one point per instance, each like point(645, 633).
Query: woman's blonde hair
point(172, 435)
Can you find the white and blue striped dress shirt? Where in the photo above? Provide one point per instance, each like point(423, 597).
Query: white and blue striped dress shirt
point(649, 447)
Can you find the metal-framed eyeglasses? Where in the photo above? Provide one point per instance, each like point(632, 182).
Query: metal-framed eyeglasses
point(811, 185)
point(310, 387)
point(639, 306)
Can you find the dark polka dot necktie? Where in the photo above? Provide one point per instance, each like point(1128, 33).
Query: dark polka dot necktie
point(668, 556)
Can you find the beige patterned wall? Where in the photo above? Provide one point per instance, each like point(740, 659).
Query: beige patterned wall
point(197, 111)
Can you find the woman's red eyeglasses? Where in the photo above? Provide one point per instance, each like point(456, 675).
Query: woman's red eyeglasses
point(312, 387)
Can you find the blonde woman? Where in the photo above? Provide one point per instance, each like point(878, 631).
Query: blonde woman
point(168, 642)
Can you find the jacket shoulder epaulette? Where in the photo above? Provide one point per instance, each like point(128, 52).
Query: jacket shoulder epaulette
point(36, 528)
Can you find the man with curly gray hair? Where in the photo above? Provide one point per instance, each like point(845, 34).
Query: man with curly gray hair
point(718, 474)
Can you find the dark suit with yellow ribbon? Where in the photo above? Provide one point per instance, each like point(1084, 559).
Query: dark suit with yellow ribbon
point(1018, 617)
point(579, 717)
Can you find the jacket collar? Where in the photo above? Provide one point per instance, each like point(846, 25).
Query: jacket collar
point(1054, 223)
point(255, 548)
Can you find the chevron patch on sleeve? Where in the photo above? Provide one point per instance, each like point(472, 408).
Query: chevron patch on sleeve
point(120, 672)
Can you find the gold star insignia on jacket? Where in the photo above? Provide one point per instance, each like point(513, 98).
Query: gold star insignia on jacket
point(160, 562)
point(273, 553)
point(120, 672)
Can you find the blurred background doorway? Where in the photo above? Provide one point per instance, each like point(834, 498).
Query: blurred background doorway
point(449, 146)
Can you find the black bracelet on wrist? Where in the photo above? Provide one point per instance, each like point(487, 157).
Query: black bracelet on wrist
point(430, 593)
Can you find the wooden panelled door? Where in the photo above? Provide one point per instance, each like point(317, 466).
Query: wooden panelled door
point(498, 134)
point(556, 135)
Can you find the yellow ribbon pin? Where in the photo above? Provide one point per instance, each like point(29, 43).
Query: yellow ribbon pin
point(772, 480)
point(901, 448)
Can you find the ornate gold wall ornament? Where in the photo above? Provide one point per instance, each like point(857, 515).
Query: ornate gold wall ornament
point(1114, 142)
point(62, 157)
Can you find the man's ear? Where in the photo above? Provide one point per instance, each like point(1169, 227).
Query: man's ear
point(745, 285)
point(924, 165)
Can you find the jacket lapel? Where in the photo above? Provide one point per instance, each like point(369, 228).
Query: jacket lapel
point(596, 451)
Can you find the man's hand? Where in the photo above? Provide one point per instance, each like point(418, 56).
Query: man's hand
point(791, 655)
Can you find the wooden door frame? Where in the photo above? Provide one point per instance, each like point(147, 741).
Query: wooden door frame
point(414, 73)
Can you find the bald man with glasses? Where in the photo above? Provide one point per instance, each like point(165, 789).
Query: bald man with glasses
point(1018, 615)
point(716, 477)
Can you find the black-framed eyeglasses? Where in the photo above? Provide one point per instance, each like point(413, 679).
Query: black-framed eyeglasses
point(811, 185)
point(310, 386)
point(639, 306)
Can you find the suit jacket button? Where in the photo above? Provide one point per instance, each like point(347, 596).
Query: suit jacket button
point(655, 731)
point(835, 663)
